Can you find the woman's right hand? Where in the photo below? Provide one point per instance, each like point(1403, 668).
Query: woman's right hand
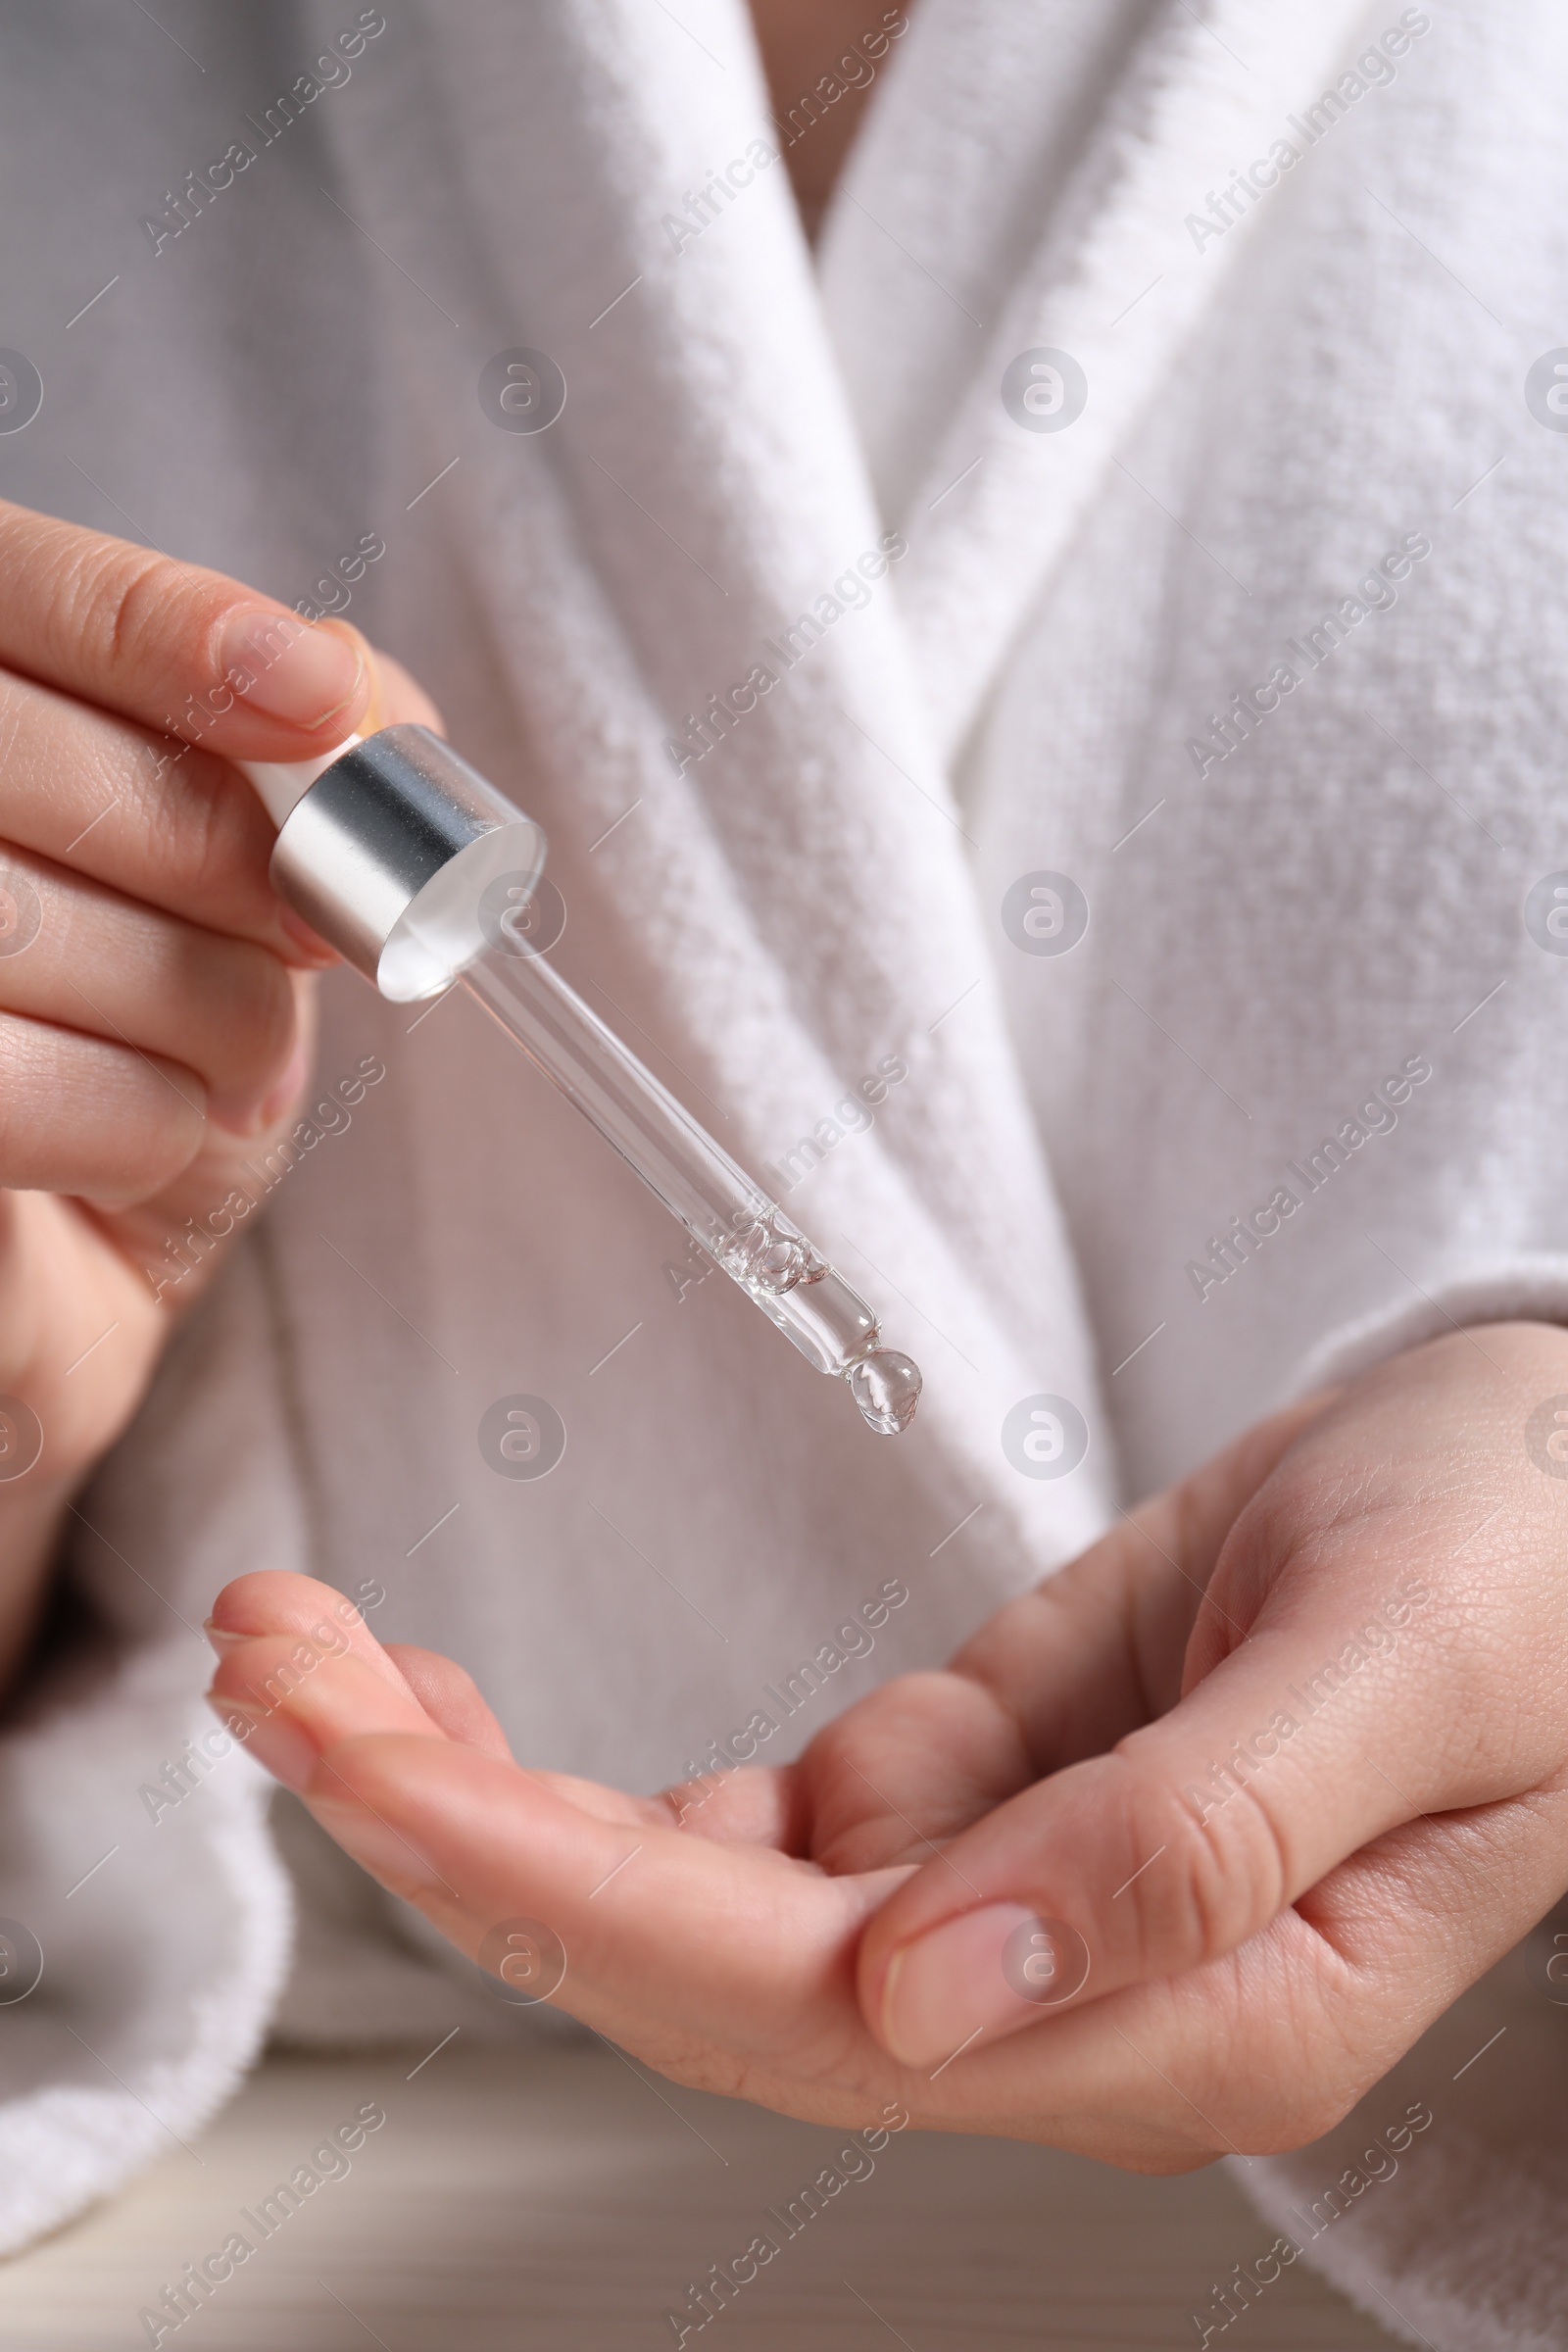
point(155, 993)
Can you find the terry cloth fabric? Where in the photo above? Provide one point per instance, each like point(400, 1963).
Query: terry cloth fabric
point(992, 654)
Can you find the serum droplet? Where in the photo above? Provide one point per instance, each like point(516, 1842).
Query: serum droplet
point(886, 1386)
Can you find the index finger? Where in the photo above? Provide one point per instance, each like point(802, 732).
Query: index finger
point(184, 649)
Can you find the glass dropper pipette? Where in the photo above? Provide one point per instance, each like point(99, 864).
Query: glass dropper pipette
point(732, 1218)
point(420, 873)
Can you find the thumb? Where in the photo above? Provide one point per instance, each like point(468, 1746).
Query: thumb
point(1183, 1842)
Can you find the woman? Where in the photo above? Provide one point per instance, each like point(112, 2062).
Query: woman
point(1163, 810)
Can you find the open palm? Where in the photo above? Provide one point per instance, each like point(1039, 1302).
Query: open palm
point(1225, 1955)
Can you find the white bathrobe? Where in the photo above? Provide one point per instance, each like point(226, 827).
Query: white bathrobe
point(1154, 437)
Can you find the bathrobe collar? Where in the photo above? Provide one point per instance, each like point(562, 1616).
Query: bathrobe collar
point(703, 650)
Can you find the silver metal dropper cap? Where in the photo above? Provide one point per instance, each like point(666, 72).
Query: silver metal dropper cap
point(404, 858)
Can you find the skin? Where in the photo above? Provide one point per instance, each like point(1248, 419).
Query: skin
point(823, 1937)
point(155, 1031)
point(1254, 1965)
point(800, 40)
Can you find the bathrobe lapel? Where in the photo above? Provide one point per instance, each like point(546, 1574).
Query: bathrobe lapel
point(791, 907)
point(1116, 243)
point(691, 635)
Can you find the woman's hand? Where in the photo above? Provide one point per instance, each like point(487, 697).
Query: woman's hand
point(155, 995)
point(1178, 1857)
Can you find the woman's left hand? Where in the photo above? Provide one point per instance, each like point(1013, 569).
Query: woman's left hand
point(1182, 1853)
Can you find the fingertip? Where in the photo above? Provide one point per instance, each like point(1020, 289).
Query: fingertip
point(315, 952)
point(309, 677)
point(267, 1600)
point(278, 1602)
point(966, 1983)
point(290, 1703)
point(451, 1697)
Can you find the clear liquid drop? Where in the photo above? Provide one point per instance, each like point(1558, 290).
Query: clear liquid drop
point(886, 1386)
point(828, 1319)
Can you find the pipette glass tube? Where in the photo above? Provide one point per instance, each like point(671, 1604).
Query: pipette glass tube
point(408, 860)
point(743, 1231)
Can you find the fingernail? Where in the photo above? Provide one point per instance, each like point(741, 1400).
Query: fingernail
point(373, 1843)
point(958, 1983)
point(289, 1086)
point(309, 941)
point(282, 666)
point(287, 1090)
point(288, 1755)
point(221, 1639)
point(243, 1114)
